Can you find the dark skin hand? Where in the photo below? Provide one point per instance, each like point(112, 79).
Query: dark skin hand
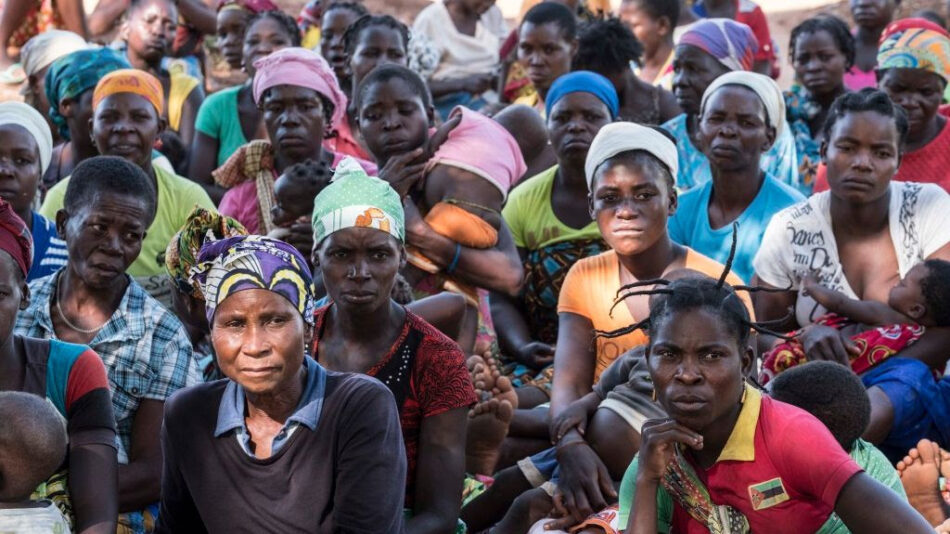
point(140, 479)
point(585, 484)
point(439, 472)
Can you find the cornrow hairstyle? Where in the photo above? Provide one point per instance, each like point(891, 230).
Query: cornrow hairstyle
point(356, 8)
point(391, 71)
point(352, 34)
point(606, 46)
point(867, 99)
point(836, 28)
point(936, 291)
point(553, 12)
point(283, 19)
point(658, 9)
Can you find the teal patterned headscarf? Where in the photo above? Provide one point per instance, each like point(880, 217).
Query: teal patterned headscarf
point(356, 199)
point(72, 75)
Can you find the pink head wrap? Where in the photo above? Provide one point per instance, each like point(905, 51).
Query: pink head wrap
point(303, 68)
point(482, 146)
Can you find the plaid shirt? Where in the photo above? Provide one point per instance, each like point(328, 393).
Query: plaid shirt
point(145, 349)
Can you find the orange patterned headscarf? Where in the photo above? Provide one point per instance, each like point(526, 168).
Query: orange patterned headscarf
point(133, 81)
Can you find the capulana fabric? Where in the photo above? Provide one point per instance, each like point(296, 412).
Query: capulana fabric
point(768, 91)
point(303, 68)
point(47, 47)
point(732, 43)
point(15, 238)
point(251, 6)
point(582, 81)
point(202, 227)
point(240, 263)
point(355, 199)
point(132, 81)
point(619, 137)
point(70, 76)
point(26, 117)
point(915, 44)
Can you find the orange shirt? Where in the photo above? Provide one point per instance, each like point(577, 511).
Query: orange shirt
point(589, 291)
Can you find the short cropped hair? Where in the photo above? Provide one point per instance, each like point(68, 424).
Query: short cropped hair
point(109, 174)
point(33, 438)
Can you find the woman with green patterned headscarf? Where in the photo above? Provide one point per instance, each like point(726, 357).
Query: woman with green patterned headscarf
point(359, 231)
point(181, 256)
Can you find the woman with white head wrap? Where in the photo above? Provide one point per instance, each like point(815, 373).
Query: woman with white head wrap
point(630, 171)
point(37, 55)
point(26, 145)
point(741, 116)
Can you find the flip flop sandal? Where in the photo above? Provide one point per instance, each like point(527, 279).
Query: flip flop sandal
point(12, 75)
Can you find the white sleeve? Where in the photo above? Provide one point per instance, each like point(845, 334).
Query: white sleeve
point(774, 260)
point(933, 217)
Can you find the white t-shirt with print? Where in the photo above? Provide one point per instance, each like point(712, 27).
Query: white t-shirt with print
point(799, 241)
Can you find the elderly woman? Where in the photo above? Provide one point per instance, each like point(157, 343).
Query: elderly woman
point(706, 51)
point(861, 238)
point(300, 101)
point(550, 228)
point(73, 379)
point(230, 118)
point(70, 81)
point(188, 302)
point(25, 146)
point(92, 301)
point(127, 120)
point(281, 444)
point(741, 116)
point(359, 231)
point(913, 69)
point(728, 459)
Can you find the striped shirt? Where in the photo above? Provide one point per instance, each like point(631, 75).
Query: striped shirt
point(49, 251)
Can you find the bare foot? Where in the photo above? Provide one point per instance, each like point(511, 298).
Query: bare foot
point(919, 472)
point(487, 427)
point(503, 390)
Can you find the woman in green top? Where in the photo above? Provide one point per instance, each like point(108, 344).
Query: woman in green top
point(551, 227)
point(230, 119)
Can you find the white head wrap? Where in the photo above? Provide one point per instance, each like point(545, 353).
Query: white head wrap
point(619, 137)
point(49, 46)
point(23, 115)
point(768, 91)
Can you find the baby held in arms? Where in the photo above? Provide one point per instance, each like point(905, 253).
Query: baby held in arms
point(921, 299)
point(294, 192)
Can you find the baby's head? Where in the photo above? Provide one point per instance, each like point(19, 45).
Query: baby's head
point(832, 393)
point(924, 294)
point(295, 190)
point(32, 444)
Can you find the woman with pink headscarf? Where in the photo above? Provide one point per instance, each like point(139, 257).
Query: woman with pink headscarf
point(301, 103)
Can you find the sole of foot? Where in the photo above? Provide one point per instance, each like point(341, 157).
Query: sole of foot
point(487, 427)
point(919, 472)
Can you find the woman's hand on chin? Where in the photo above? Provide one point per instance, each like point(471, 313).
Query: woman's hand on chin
point(404, 172)
point(659, 439)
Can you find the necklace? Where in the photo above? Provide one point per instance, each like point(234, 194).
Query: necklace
point(59, 310)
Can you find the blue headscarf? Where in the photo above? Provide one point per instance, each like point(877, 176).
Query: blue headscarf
point(76, 73)
point(583, 81)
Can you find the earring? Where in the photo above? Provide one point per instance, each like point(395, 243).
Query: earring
point(745, 390)
point(653, 394)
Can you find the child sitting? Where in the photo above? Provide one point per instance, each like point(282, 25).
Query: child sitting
point(33, 445)
point(920, 299)
point(294, 192)
point(837, 398)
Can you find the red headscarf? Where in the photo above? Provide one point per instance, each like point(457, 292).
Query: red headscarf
point(911, 24)
point(15, 238)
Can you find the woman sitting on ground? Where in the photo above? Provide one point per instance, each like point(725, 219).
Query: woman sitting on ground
point(423, 368)
point(314, 450)
point(608, 47)
point(149, 32)
point(109, 203)
point(127, 119)
point(74, 381)
point(337, 17)
point(706, 51)
point(547, 40)
point(860, 238)
point(727, 456)
point(230, 118)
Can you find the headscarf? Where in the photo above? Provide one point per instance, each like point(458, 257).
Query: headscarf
point(915, 44)
point(251, 6)
point(202, 227)
point(732, 43)
point(619, 137)
point(72, 75)
point(15, 238)
point(238, 263)
point(483, 147)
point(25, 116)
point(582, 81)
point(132, 81)
point(311, 13)
point(356, 199)
point(47, 47)
point(303, 68)
point(768, 91)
